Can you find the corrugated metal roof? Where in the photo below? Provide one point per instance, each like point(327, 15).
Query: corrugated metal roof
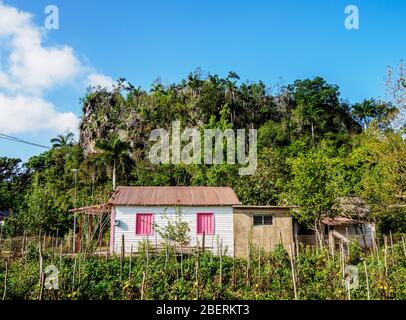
point(339, 221)
point(162, 196)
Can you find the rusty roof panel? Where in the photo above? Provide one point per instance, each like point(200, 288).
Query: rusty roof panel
point(188, 196)
point(339, 221)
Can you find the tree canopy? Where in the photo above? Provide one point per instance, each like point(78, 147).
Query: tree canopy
point(313, 147)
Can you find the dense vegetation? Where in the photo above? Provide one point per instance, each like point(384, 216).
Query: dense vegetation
point(313, 147)
point(311, 274)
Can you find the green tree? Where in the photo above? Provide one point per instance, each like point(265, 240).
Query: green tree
point(116, 154)
point(10, 182)
point(315, 185)
point(318, 108)
point(62, 140)
point(371, 110)
point(382, 162)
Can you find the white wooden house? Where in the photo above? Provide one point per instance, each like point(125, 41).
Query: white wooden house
point(214, 214)
point(136, 210)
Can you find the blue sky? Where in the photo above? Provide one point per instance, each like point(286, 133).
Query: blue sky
point(143, 40)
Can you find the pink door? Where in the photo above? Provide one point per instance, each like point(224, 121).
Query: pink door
point(144, 224)
point(205, 223)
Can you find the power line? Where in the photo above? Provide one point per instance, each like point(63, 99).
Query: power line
point(10, 138)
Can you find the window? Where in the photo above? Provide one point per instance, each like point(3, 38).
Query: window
point(144, 224)
point(261, 220)
point(205, 223)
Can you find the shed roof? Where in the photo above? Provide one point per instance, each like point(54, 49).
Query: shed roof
point(169, 196)
point(340, 221)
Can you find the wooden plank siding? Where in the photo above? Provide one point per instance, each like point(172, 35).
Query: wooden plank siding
point(223, 226)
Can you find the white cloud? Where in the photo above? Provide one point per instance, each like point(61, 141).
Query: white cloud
point(19, 113)
point(100, 80)
point(29, 68)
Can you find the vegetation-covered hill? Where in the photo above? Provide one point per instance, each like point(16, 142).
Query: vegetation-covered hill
point(313, 147)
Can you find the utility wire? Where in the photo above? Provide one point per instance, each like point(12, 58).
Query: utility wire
point(10, 138)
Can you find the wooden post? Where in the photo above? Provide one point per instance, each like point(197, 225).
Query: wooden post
point(212, 247)
point(57, 238)
point(41, 274)
point(166, 252)
point(73, 274)
point(122, 246)
point(297, 245)
point(60, 256)
point(248, 263)
point(129, 269)
point(143, 286)
point(147, 252)
point(377, 257)
point(373, 240)
point(5, 283)
point(156, 244)
point(181, 260)
point(234, 269)
point(90, 226)
point(1, 237)
point(293, 271)
point(122, 256)
point(203, 241)
point(342, 258)
point(100, 234)
point(367, 281)
point(385, 255)
point(259, 261)
point(221, 262)
point(197, 273)
point(391, 247)
point(79, 236)
point(22, 244)
point(403, 244)
point(176, 261)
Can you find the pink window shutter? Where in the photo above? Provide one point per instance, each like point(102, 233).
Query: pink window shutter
point(205, 223)
point(144, 224)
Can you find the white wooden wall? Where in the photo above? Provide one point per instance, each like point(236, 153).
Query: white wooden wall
point(223, 226)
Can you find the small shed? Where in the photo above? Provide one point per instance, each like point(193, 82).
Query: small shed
point(348, 229)
point(261, 226)
point(350, 223)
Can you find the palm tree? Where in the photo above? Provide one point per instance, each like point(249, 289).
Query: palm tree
point(194, 83)
point(312, 114)
point(364, 111)
point(136, 92)
point(116, 153)
point(231, 92)
point(157, 88)
point(62, 140)
point(120, 84)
